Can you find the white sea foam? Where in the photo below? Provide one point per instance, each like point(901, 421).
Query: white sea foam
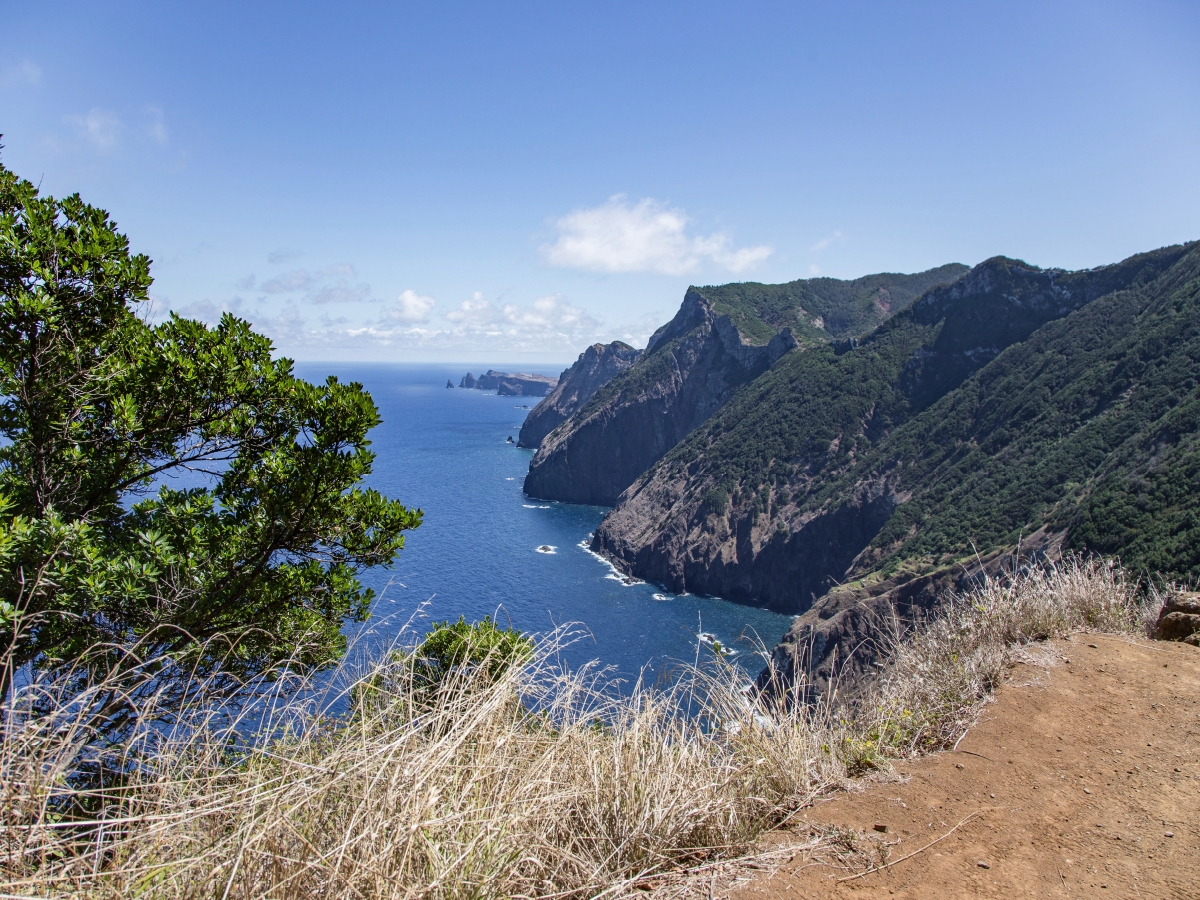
point(710, 640)
point(534, 506)
point(661, 598)
point(614, 573)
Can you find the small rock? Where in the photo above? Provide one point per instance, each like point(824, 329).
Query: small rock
point(1169, 834)
point(881, 828)
point(1086, 791)
point(1179, 619)
point(958, 765)
point(993, 796)
point(1093, 646)
point(982, 865)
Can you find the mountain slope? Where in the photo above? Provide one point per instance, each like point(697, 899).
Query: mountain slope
point(721, 338)
point(817, 309)
point(930, 441)
point(596, 366)
point(691, 366)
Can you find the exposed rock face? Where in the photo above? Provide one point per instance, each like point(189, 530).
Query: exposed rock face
point(506, 384)
point(834, 460)
point(678, 524)
point(1179, 619)
point(690, 368)
point(449, 384)
point(596, 366)
point(844, 633)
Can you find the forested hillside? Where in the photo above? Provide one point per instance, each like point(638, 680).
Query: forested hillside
point(817, 309)
point(1015, 400)
point(721, 338)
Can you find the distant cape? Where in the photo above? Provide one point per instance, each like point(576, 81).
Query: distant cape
point(516, 384)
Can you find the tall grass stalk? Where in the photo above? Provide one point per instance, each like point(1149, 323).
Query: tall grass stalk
point(538, 782)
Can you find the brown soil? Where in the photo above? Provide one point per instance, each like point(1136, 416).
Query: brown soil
point(1081, 780)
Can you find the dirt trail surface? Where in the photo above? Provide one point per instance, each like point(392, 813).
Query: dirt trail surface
point(1081, 780)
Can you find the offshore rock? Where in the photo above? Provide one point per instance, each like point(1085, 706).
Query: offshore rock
point(692, 365)
point(596, 366)
point(518, 384)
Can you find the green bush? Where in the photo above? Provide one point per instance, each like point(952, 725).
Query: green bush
point(480, 650)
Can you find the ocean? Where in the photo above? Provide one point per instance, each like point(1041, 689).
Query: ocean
point(477, 551)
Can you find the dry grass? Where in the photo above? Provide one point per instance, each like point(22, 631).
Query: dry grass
point(464, 792)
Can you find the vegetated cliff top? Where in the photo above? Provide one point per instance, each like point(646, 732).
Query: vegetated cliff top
point(761, 311)
point(1014, 400)
point(817, 309)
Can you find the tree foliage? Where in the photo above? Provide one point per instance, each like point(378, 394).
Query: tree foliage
point(111, 573)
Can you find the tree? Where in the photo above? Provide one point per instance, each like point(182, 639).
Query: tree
point(108, 574)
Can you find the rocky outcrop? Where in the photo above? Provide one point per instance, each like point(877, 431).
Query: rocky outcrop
point(1179, 619)
point(691, 366)
point(518, 384)
point(596, 366)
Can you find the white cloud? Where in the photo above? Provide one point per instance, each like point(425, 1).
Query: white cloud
point(100, 128)
point(317, 285)
point(546, 317)
point(341, 292)
point(209, 312)
point(647, 236)
point(285, 283)
point(157, 129)
point(549, 314)
point(23, 73)
point(410, 307)
point(824, 242)
point(476, 315)
point(276, 257)
point(813, 270)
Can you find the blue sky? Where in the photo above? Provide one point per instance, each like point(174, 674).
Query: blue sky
point(510, 182)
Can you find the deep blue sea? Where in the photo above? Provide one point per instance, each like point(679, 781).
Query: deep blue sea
point(476, 553)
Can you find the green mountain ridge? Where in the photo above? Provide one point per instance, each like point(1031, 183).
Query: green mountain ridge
point(721, 338)
point(1013, 401)
point(817, 309)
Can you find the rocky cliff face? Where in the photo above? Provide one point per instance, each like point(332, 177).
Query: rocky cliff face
point(692, 365)
point(517, 384)
point(733, 512)
point(596, 366)
point(843, 481)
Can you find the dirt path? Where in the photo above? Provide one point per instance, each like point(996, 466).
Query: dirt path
point(1081, 780)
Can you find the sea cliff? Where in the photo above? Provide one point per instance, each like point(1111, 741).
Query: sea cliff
point(596, 366)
